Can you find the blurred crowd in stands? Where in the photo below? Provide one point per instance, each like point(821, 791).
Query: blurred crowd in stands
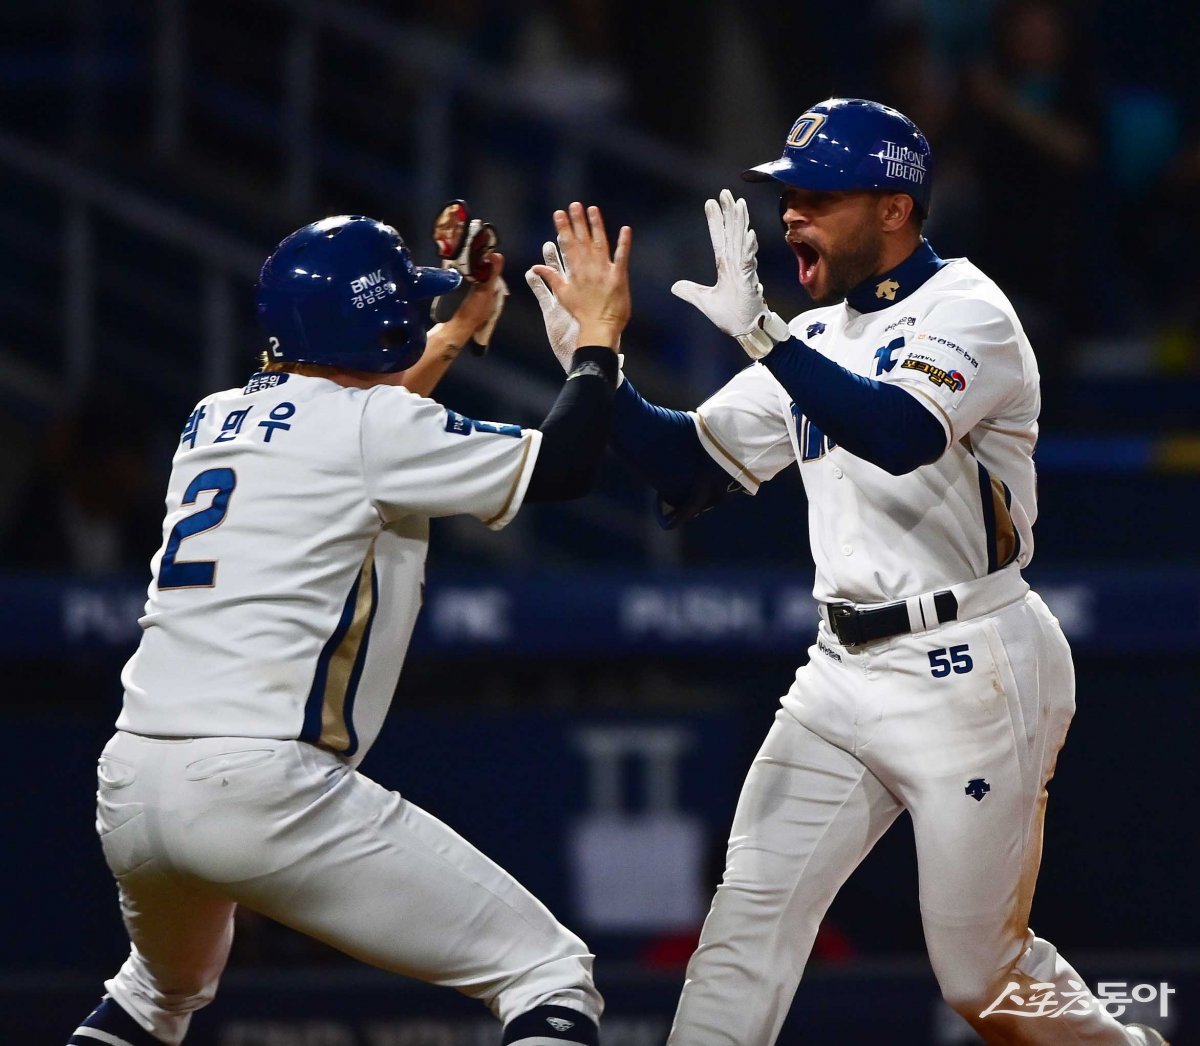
point(1066, 138)
point(1066, 134)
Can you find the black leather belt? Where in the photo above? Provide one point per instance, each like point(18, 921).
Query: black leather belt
point(853, 627)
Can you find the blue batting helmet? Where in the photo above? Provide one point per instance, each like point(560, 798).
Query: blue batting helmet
point(844, 144)
point(341, 291)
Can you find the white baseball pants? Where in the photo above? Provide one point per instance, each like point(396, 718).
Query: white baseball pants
point(864, 733)
point(192, 828)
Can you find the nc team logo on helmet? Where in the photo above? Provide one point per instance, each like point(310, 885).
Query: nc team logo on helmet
point(803, 129)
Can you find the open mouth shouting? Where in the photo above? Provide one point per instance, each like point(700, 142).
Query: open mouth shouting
point(808, 260)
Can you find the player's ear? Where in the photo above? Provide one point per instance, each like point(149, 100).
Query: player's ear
point(894, 210)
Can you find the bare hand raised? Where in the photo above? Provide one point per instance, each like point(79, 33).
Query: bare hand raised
point(596, 291)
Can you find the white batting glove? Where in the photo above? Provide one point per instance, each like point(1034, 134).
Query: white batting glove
point(562, 329)
point(735, 304)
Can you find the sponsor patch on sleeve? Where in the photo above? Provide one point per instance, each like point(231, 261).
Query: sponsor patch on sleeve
point(264, 380)
point(464, 426)
point(952, 379)
point(935, 342)
point(944, 363)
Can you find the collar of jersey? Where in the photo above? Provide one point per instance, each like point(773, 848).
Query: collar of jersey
point(881, 292)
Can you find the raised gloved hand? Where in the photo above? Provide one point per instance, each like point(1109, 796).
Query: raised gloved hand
point(562, 329)
point(466, 244)
point(735, 303)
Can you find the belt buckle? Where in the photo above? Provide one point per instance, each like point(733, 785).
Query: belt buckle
point(843, 621)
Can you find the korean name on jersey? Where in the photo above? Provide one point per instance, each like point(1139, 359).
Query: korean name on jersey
point(290, 575)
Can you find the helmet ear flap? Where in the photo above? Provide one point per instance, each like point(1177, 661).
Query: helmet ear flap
point(405, 339)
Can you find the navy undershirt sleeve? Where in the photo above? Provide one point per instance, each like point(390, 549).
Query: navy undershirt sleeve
point(661, 445)
point(576, 430)
point(873, 420)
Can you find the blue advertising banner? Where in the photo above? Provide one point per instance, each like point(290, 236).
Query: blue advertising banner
point(693, 612)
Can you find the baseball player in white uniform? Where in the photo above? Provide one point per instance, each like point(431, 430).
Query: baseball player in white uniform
point(939, 683)
point(282, 603)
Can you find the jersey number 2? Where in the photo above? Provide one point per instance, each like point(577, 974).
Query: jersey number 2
point(199, 573)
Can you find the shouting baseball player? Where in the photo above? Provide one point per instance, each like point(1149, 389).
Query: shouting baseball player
point(939, 683)
point(281, 606)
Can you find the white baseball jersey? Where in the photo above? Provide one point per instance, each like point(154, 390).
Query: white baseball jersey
point(956, 343)
point(958, 722)
point(290, 575)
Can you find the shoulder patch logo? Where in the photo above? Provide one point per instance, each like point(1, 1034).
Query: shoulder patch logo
point(264, 380)
point(887, 289)
point(457, 424)
point(953, 380)
point(463, 426)
point(813, 329)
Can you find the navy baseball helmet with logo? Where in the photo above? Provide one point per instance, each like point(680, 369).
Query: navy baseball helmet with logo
point(341, 292)
point(845, 144)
